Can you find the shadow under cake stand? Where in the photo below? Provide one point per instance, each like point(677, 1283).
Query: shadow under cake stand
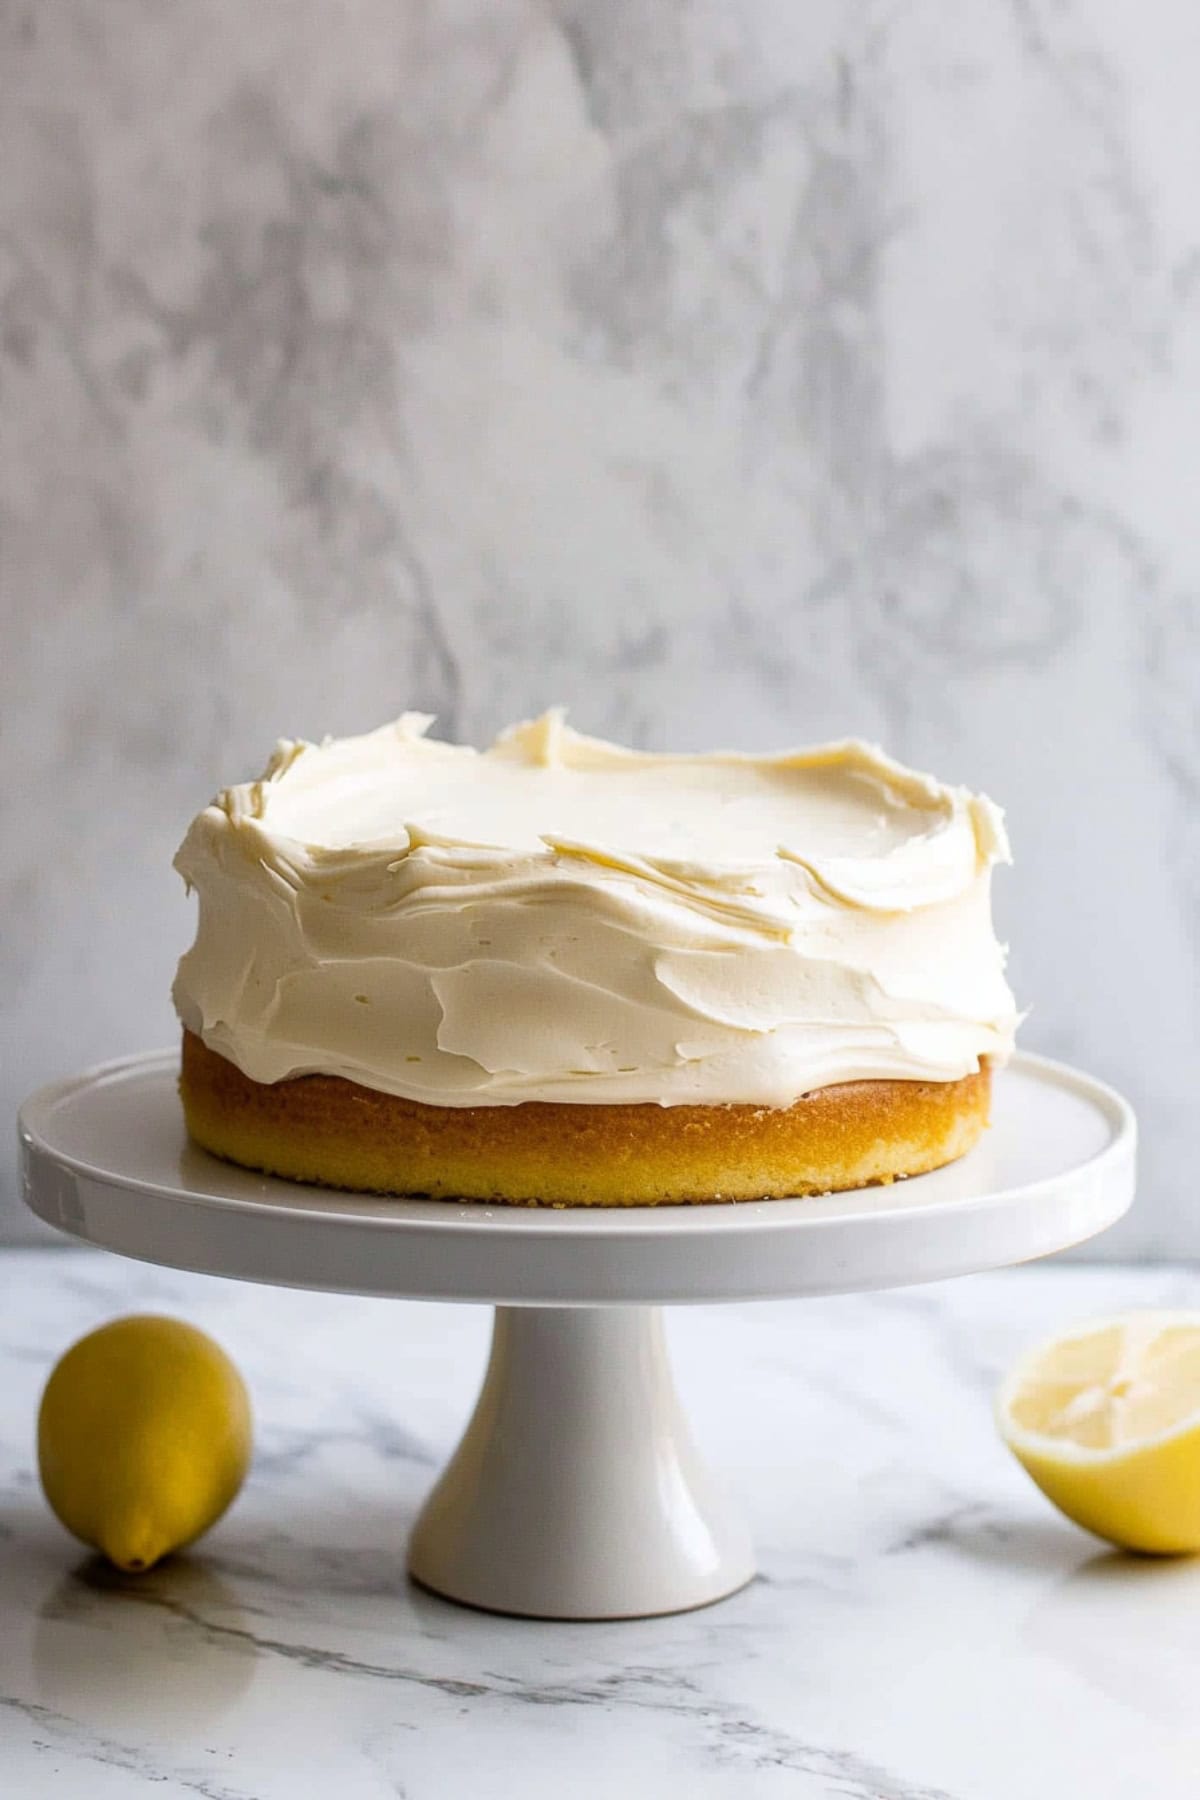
point(576, 1491)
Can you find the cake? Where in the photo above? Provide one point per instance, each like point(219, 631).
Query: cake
point(562, 972)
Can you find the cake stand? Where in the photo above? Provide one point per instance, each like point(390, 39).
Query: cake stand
point(576, 1491)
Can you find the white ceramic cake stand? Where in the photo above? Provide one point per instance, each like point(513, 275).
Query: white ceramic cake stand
point(576, 1491)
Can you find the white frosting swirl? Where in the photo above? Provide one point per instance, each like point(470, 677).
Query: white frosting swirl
point(561, 919)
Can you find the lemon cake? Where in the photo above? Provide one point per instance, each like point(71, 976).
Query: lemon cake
point(562, 972)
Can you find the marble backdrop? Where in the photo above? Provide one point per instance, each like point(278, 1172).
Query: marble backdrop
point(737, 371)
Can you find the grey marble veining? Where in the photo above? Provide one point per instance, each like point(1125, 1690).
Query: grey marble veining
point(924, 1626)
point(732, 370)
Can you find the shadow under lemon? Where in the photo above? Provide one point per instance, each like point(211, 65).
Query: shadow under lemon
point(159, 1654)
point(1129, 1626)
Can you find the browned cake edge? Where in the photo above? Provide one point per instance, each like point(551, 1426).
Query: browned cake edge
point(324, 1129)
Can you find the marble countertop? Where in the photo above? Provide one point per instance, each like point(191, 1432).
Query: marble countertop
point(924, 1626)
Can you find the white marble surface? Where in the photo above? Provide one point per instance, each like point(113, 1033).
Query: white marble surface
point(925, 1627)
point(734, 370)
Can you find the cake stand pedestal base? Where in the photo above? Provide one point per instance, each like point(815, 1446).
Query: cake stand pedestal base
point(576, 1492)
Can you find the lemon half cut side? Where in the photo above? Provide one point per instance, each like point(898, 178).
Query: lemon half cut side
point(1106, 1419)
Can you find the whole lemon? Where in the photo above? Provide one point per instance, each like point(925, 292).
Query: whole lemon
point(143, 1437)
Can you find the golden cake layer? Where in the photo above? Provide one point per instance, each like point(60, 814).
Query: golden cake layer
point(325, 1129)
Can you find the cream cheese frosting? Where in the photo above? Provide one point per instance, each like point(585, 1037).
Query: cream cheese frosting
point(558, 918)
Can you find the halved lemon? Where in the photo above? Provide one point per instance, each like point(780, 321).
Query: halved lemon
point(1106, 1419)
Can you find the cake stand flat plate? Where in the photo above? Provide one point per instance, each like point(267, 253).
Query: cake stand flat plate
point(106, 1159)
